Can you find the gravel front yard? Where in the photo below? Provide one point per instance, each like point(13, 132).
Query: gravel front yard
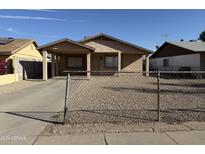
point(132, 98)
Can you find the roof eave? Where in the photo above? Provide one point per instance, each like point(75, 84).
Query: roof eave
point(7, 53)
point(41, 48)
point(116, 39)
point(23, 46)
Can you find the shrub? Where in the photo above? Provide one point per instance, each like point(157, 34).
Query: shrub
point(3, 67)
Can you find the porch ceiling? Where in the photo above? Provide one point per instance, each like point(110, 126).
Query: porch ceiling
point(66, 46)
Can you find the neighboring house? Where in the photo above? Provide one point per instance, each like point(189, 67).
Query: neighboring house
point(22, 58)
point(179, 56)
point(97, 53)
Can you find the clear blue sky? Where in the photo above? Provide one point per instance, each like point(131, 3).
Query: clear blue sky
point(146, 28)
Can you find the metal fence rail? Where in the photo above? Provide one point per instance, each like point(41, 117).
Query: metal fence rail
point(66, 96)
point(129, 97)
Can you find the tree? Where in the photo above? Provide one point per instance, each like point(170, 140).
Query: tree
point(202, 36)
point(157, 47)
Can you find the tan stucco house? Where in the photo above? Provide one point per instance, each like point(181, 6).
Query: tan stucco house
point(22, 58)
point(96, 53)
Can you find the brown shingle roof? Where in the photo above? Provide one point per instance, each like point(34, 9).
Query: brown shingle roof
point(195, 47)
point(14, 46)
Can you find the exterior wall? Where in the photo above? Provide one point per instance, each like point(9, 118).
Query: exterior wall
point(132, 62)
point(29, 52)
point(8, 78)
point(97, 62)
point(100, 47)
point(176, 62)
point(62, 65)
point(109, 46)
point(202, 56)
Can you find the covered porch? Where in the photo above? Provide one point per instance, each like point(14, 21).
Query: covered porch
point(66, 55)
point(119, 61)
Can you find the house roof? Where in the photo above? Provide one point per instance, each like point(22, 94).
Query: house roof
point(195, 47)
point(9, 46)
point(65, 40)
point(115, 39)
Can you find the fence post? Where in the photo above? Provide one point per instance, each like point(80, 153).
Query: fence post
point(66, 97)
point(158, 96)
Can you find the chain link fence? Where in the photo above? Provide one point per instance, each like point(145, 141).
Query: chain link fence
point(182, 96)
point(132, 97)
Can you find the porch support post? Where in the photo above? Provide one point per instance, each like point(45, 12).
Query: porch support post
point(57, 65)
point(147, 65)
point(52, 65)
point(88, 64)
point(119, 61)
point(45, 65)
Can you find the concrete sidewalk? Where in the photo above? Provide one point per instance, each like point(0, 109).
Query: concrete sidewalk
point(140, 138)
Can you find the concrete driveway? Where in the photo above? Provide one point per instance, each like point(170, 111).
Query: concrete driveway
point(17, 109)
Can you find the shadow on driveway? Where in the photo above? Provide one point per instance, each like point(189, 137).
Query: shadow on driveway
point(50, 117)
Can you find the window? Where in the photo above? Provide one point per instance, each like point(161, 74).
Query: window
point(111, 61)
point(166, 62)
point(75, 62)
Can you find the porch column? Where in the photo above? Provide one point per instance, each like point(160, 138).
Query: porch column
point(45, 66)
point(57, 65)
point(147, 65)
point(88, 64)
point(119, 61)
point(52, 65)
